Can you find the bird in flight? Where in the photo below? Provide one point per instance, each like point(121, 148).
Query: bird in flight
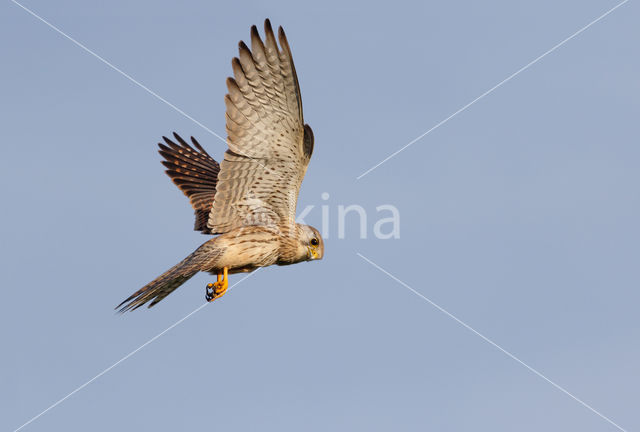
point(250, 198)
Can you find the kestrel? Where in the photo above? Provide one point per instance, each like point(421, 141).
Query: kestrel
point(250, 198)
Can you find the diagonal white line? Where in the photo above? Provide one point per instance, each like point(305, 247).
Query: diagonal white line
point(513, 75)
point(486, 339)
point(128, 355)
point(129, 77)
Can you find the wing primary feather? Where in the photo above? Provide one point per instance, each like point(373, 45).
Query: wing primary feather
point(198, 146)
point(180, 140)
point(284, 43)
point(194, 172)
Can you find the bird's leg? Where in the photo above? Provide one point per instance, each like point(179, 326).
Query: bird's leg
point(217, 289)
point(222, 284)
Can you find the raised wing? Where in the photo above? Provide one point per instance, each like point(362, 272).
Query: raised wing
point(194, 172)
point(269, 144)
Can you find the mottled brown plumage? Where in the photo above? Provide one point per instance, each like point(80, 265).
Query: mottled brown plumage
point(250, 198)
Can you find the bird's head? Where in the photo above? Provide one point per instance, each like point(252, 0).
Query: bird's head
point(311, 245)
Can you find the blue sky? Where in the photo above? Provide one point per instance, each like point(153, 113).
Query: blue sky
point(518, 217)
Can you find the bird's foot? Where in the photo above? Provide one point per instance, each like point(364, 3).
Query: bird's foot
point(219, 288)
point(216, 290)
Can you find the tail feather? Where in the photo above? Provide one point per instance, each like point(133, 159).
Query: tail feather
point(163, 285)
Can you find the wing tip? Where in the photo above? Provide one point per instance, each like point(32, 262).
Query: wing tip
point(284, 42)
point(198, 146)
point(243, 47)
point(254, 31)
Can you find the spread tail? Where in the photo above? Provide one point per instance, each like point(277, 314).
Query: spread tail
point(163, 285)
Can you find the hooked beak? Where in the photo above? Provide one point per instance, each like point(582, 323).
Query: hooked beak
point(312, 253)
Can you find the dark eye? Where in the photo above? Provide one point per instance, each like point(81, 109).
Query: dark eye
point(314, 242)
